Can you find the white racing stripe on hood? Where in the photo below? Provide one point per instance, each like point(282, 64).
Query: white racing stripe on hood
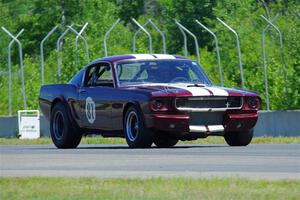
point(218, 91)
point(195, 91)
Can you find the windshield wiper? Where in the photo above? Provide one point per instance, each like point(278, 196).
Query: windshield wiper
point(196, 85)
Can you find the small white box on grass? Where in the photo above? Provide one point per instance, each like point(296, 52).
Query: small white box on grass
point(29, 124)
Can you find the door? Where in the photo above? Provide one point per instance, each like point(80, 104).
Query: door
point(95, 97)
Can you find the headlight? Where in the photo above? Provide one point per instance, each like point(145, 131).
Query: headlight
point(253, 102)
point(158, 105)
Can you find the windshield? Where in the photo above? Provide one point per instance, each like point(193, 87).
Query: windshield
point(160, 71)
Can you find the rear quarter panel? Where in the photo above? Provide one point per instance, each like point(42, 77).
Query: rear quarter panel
point(66, 93)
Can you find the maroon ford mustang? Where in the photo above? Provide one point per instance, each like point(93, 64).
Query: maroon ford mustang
point(147, 98)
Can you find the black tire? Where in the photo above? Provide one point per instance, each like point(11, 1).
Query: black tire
point(64, 134)
point(135, 131)
point(162, 141)
point(239, 138)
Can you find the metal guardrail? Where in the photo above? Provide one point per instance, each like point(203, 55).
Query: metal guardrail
point(270, 123)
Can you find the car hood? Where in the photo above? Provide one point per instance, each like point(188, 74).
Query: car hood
point(189, 89)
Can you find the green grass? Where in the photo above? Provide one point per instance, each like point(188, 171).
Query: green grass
point(101, 140)
point(46, 140)
point(153, 188)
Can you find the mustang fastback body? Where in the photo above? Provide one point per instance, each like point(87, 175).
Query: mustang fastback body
point(147, 98)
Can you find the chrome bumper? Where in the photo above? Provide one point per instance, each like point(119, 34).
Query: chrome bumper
point(206, 128)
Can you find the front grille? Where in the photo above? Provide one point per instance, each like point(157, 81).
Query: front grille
point(199, 103)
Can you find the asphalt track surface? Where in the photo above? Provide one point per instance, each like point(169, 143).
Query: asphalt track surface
point(264, 161)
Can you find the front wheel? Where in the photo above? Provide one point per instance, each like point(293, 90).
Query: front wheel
point(63, 133)
point(137, 135)
point(239, 138)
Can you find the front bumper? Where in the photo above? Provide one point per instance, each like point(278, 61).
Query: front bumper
point(167, 122)
point(184, 124)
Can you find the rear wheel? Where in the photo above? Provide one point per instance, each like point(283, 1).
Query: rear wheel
point(163, 141)
point(137, 135)
point(63, 133)
point(239, 138)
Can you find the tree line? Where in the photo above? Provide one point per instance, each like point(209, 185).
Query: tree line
point(39, 17)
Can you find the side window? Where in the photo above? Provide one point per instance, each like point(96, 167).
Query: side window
point(99, 75)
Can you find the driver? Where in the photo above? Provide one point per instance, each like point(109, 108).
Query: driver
point(153, 72)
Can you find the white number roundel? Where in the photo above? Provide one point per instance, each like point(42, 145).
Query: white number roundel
point(90, 110)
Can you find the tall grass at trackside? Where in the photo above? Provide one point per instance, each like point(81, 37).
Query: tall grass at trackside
point(101, 140)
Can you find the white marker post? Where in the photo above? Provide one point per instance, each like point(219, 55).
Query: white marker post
point(29, 124)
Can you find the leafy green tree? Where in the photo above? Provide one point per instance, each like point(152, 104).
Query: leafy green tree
point(186, 12)
point(130, 8)
point(39, 17)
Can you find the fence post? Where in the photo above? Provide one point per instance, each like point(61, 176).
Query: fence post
point(106, 35)
point(195, 39)
point(265, 62)
point(9, 71)
point(85, 43)
point(21, 64)
point(184, 41)
point(238, 50)
point(157, 29)
point(281, 52)
point(42, 52)
point(134, 37)
point(217, 50)
point(58, 46)
point(162, 35)
point(147, 33)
